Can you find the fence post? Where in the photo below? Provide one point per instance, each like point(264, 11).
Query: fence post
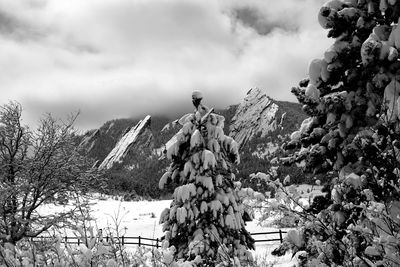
point(66, 239)
point(280, 235)
point(139, 241)
point(107, 239)
point(123, 243)
point(157, 242)
point(79, 242)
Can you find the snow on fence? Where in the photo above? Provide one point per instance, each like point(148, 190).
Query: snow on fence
point(151, 242)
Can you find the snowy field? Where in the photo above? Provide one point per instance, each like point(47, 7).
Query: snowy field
point(141, 218)
point(138, 220)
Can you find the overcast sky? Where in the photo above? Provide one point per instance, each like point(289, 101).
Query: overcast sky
point(127, 58)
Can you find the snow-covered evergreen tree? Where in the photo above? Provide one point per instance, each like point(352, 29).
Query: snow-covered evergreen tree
point(205, 223)
point(353, 133)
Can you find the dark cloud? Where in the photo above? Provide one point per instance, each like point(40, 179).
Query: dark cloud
point(8, 24)
point(251, 17)
point(15, 28)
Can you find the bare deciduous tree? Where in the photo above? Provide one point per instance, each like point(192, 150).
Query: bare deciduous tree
point(36, 167)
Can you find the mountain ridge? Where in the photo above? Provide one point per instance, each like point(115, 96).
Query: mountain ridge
point(260, 123)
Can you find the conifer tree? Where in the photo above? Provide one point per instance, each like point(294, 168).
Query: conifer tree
point(353, 133)
point(205, 222)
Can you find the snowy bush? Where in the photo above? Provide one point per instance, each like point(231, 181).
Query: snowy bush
point(54, 252)
point(94, 248)
point(276, 211)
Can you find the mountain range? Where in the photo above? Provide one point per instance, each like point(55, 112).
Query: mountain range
point(130, 151)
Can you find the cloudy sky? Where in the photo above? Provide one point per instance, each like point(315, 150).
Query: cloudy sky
point(127, 58)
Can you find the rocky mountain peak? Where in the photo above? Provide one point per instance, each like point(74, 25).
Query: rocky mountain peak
point(131, 149)
point(128, 140)
point(256, 114)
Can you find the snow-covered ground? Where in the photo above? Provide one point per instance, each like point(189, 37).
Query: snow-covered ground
point(138, 220)
point(142, 219)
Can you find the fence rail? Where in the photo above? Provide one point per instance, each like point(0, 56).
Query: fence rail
point(151, 242)
point(280, 232)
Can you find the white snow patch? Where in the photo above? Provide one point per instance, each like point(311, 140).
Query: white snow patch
point(170, 125)
point(283, 117)
point(110, 126)
point(166, 127)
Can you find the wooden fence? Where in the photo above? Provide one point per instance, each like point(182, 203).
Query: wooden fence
point(280, 232)
point(151, 242)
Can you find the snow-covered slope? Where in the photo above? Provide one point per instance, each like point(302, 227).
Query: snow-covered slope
point(126, 142)
point(89, 139)
point(256, 114)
